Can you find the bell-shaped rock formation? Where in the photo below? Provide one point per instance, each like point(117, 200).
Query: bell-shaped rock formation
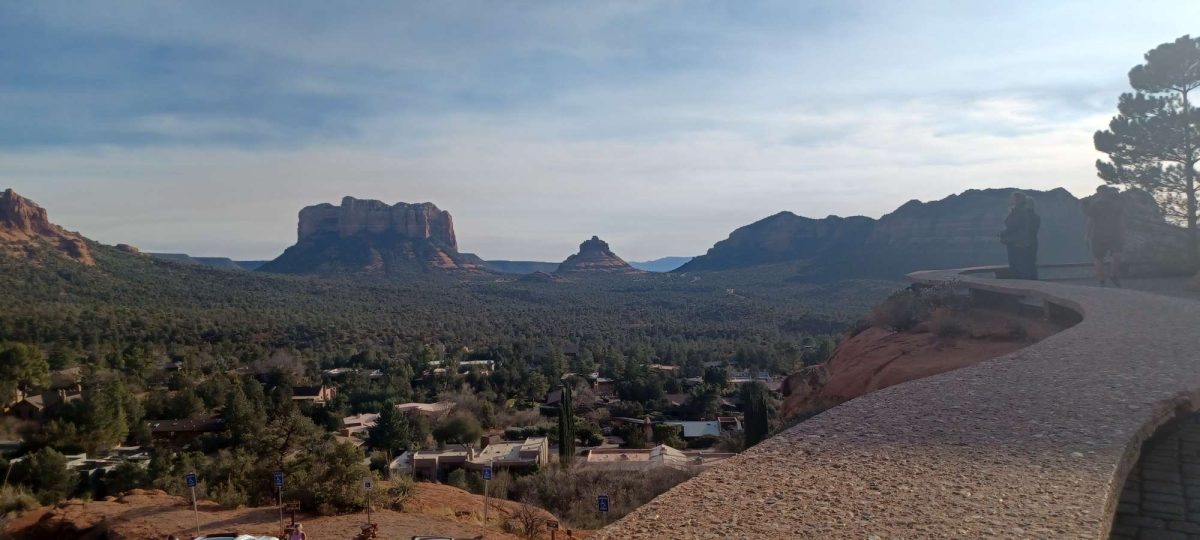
point(595, 256)
point(372, 237)
point(26, 230)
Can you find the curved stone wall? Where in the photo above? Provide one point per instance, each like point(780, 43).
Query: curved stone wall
point(1034, 444)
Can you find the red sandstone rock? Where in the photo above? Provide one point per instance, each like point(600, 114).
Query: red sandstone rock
point(878, 358)
point(24, 226)
point(373, 237)
point(595, 256)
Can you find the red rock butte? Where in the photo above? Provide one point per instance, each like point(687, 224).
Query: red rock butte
point(595, 256)
point(25, 227)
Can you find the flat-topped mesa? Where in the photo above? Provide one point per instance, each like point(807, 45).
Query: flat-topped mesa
point(355, 216)
point(25, 226)
point(595, 256)
point(373, 237)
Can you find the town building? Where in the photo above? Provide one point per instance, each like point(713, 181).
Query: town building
point(317, 395)
point(648, 459)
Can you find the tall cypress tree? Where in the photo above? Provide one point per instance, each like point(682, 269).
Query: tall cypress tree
point(1154, 141)
point(566, 426)
point(757, 406)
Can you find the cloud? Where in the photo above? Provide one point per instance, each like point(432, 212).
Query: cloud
point(659, 125)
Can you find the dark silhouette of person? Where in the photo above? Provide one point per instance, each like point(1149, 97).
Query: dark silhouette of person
point(1105, 212)
point(1020, 237)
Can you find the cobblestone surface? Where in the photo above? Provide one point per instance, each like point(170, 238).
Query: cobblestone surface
point(1034, 444)
point(1161, 498)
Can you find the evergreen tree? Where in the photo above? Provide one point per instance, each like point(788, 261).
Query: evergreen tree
point(1154, 141)
point(106, 420)
point(566, 427)
point(22, 367)
point(757, 404)
point(395, 431)
point(45, 473)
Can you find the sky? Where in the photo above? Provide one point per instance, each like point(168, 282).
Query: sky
point(203, 127)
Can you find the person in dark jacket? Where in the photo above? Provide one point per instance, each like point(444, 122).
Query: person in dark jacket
point(1020, 237)
point(1105, 213)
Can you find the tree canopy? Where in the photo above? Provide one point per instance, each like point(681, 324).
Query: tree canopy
point(1154, 140)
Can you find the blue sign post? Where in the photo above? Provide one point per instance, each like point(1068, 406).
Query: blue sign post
point(602, 503)
point(277, 477)
point(191, 481)
point(487, 473)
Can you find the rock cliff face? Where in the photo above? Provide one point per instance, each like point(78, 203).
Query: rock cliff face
point(958, 231)
point(595, 256)
point(25, 228)
point(784, 237)
point(372, 237)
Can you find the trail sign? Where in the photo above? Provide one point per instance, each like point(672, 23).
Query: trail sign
point(551, 524)
point(369, 483)
point(487, 472)
point(602, 502)
point(278, 477)
point(190, 479)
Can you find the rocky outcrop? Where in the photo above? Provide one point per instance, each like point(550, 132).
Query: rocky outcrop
point(372, 237)
point(877, 357)
point(26, 231)
point(958, 231)
point(595, 256)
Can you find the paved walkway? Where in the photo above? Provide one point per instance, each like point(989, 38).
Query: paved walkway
point(1035, 444)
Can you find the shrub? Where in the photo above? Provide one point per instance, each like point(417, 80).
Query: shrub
point(901, 311)
point(14, 500)
point(457, 478)
point(947, 323)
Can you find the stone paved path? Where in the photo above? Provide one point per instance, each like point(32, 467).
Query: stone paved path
point(1034, 444)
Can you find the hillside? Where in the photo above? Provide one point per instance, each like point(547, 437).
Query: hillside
point(433, 510)
point(957, 231)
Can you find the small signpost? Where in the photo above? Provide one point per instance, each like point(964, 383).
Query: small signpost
point(552, 526)
point(191, 481)
point(602, 505)
point(369, 485)
point(277, 477)
point(487, 475)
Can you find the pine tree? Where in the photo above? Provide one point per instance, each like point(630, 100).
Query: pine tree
point(566, 427)
point(1154, 141)
point(758, 409)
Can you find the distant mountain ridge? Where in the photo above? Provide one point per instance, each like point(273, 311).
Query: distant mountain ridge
point(372, 237)
point(957, 231)
point(664, 264)
point(521, 267)
point(224, 263)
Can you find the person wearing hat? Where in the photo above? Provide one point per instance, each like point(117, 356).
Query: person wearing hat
point(1105, 212)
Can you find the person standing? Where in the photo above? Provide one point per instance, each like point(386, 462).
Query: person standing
point(1105, 213)
point(1020, 236)
point(297, 533)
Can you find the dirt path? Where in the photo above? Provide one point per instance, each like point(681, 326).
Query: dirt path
point(435, 510)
